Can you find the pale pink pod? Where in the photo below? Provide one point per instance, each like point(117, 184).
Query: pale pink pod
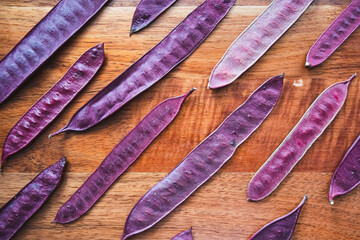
point(312, 124)
point(256, 39)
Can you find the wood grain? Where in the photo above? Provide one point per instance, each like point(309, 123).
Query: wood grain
point(219, 209)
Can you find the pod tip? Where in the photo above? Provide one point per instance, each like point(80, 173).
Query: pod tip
point(307, 65)
point(101, 45)
point(351, 78)
point(188, 94)
point(58, 132)
point(305, 198)
point(331, 202)
point(132, 31)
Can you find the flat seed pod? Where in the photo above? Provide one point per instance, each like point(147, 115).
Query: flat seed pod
point(120, 158)
point(152, 66)
point(63, 21)
point(26, 202)
point(256, 39)
point(49, 106)
point(205, 160)
point(335, 35)
point(185, 235)
point(281, 228)
point(312, 124)
point(147, 11)
point(347, 175)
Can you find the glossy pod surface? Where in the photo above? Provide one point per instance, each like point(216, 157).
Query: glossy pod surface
point(256, 39)
point(66, 18)
point(312, 124)
point(49, 106)
point(205, 160)
point(119, 159)
point(347, 175)
point(147, 11)
point(335, 35)
point(281, 228)
point(185, 235)
point(152, 66)
point(26, 202)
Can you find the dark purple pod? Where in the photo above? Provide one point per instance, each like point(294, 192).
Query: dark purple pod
point(185, 235)
point(281, 228)
point(63, 21)
point(26, 202)
point(347, 175)
point(205, 160)
point(120, 158)
point(49, 106)
point(309, 128)
point(339, 30)
point(152, 66)
point(147, 11)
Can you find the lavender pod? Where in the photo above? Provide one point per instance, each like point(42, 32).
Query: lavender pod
point(185, 235)
point(334, 35)
point(347, 175)
point(205, 160)
point(26, 202)
point(256, 39)
point(152, 66)
point(281, 228)
point(63, 21)
point(120, 158)
point(312, 124)
point(49, 106)
point(147, 11)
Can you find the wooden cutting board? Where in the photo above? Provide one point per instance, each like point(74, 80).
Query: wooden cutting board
point(219, 209)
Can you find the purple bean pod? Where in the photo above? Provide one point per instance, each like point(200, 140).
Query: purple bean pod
point(26, 202)
point(346, 176)
point(185, 235)
point(205, 160)
point(281, 228)
point(256, 39)
point(120, 158)
point(49, 106)
point(63, 21)
point(147, 11)
point(339, 30)
point(152, 66)
point(312, 124)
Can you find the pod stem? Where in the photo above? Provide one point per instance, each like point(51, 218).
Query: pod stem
point(351, 78)
point(190, 92)
point(58, 132)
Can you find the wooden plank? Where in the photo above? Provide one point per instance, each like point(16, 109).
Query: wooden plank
point(216, 216)
point(218, 210)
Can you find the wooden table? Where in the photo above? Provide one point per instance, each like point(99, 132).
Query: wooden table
point(219, 209)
